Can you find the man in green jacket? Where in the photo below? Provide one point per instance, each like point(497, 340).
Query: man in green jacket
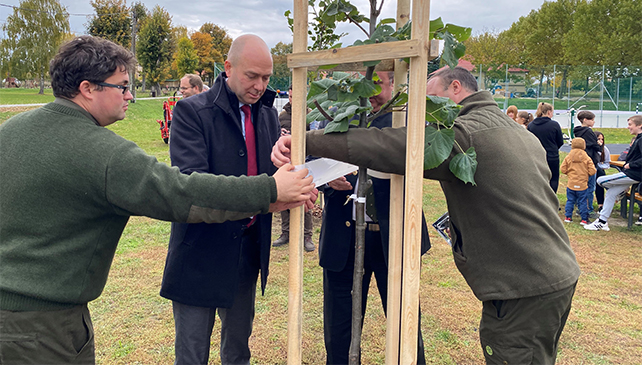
point(67, 189)
point(508, 240)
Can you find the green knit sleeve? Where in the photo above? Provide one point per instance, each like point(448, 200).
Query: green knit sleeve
point(137, 184)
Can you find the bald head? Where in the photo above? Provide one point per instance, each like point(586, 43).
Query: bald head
point(248, 68)
point(248, 45)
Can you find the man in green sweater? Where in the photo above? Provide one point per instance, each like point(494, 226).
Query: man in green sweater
point(67, 189)
point(507, 238)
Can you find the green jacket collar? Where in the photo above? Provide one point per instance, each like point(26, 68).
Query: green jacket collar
point(70, 104)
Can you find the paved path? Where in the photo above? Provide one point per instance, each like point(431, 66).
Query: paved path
point(615, 149)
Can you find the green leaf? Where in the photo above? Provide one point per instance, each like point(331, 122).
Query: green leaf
point(371, 63)
point(314, 115)
point(464, 165)
point(366, 88)
point(348, 112)
point(318, 87)
point(345, 7)
point(340, 76)
point(459, 33)
point(321, 98)
point(338, 45)
point(333, 9)
point(334, 127)
point(401, 100)
point(382, 33)
point(436, 25)
point(387, 21)
point(450, 44)
point(438, 145)
point(333, 92)
point(328, 67)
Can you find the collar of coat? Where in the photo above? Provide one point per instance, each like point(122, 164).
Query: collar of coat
point(476, 100)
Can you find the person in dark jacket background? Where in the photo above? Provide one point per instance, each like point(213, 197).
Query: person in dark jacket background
point(593, 149)
point(337, 244)
point(550, 136)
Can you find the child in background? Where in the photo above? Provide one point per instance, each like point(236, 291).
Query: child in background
point(585, 132)
point(524, 118)
point(603, 163)
point(512, 112)
point(578, 166)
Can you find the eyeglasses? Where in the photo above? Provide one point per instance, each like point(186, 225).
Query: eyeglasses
point(124, 88)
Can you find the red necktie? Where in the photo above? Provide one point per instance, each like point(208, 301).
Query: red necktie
point(250, 141)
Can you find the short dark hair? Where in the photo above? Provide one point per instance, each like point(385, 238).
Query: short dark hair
point(585, 114)
point(194, 81)
point(86, 58)
point(447, 75)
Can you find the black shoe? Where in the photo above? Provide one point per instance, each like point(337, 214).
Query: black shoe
point(308, 245)
point(639, 222)
point(283, 240)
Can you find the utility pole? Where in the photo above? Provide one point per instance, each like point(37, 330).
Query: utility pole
point(132, 76)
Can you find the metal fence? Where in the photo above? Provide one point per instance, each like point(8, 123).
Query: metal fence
point(612, 93)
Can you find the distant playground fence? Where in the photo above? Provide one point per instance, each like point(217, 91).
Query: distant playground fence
point(612, 93)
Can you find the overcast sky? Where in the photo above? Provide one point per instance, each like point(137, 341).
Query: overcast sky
point(265, 17)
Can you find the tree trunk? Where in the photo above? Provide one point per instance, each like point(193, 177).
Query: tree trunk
point(357, 279)
point(541, 79)
point(359, 249)
point(144, 83)
point(42, 80)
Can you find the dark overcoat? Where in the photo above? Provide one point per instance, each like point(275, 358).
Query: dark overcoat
point(336, 231)
point(202, 267)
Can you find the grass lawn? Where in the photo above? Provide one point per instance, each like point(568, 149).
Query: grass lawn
point(563, 104)
point(134, 325)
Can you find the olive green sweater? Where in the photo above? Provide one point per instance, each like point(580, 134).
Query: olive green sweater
point(67, 189)
point(508, 240)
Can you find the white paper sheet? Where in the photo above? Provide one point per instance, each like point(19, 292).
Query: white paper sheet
point(324, 170)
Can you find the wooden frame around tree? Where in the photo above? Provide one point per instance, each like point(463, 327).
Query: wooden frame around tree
point(404, 259)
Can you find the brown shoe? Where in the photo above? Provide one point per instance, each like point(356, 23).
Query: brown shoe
point(283, 240)
point(308, 245)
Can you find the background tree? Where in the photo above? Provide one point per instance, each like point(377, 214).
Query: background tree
point(186, 58)
point(112, 21)
point(33, 37)
point(280, 71)
point(181, 31)
point(207, 55)
point(156, 46)
point(139, 15)
point(221, 41)
point(606, 32)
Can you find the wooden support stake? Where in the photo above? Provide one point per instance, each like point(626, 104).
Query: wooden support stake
point(414, 184)
point(299, 91)
point(370, 52)
point(395, 250)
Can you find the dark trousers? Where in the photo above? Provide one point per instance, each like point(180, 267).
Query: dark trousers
point(554, 166)
point(599, 190)
point(573, 198)
point(194, 324)
point(47, 337)
point(337, 299)
point(524, 330)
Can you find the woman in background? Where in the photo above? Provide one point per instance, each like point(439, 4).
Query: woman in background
point(604, 156)
point(550, 135)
